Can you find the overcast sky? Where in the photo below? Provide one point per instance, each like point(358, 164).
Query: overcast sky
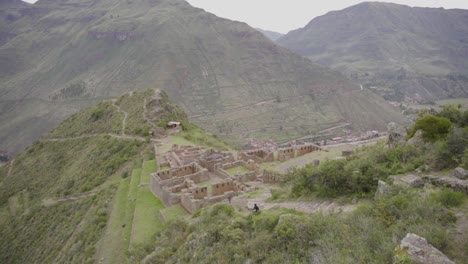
point(283, 16)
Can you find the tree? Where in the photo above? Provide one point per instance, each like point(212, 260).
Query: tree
point(433, 127)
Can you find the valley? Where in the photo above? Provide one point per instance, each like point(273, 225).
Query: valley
point(344, 141)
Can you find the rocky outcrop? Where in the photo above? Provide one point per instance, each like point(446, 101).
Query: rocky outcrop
point(381, 189)
point(396, 134)
point(419, 251)
point(417, 139)
point(450, 182)
point(460, 173)
point(408, 180)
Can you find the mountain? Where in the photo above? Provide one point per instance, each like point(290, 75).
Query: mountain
point(270, 34)
point(420, 53)
point(58, 57)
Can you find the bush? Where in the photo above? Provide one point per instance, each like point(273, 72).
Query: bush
point(433, 127)
point(449, 198)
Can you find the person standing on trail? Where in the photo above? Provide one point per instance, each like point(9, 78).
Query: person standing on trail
point(255, 208)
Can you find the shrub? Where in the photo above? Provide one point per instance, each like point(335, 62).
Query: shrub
point(433, 127)
point(450, 198)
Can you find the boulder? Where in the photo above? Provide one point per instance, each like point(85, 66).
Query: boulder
point(396, 134)
point(381, 189)
point(419, 251)
point(408, 180)
point(460, 173)
point(449, 182)
point(417, 139)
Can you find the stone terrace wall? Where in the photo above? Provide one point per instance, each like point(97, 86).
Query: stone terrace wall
point(192, 205)
point(220, 188)
point(179, 171)
point(163, 193)
point(286, 154)
point(258, 156)
point(199, 193)
point(272, 177)
point(305, 149)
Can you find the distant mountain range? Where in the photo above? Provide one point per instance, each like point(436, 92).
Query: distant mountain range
point(270, 34)
point(402, 52)
point(60, 56)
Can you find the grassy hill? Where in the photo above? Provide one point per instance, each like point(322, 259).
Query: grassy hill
point(417, 52)
point(60, 57)
point(65, 198)
point(81, 195)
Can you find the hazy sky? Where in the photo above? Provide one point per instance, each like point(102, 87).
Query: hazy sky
point(283, 16)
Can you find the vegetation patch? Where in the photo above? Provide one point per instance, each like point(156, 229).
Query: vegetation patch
point(238, 170)
point(368, 235)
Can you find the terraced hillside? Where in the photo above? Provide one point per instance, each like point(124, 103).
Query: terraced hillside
point(81, 194)
point(399, 51)
point(62, 56)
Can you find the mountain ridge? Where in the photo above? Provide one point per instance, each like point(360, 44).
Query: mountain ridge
point(75, 53)
point(428, 44)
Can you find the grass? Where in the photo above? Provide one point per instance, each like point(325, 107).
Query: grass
point(99, 119)
point(146, 221)
point(457, 101)
point(199, 137)
point(254, 194)
point(148, 168)
point(133, 105)
point(114, 243)
point(135, 181)
point(68, 167)
point(238, 169)
point(174, 213)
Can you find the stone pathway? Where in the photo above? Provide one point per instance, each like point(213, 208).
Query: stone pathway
point(307, 207)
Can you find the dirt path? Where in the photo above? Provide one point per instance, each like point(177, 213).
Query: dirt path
point(306, 207)
point(145, 114)
point(124, 121)
point(10, 168)
point(335, 127)
point(94, 135)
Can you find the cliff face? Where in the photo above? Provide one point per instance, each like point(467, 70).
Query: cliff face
point(228, 77)
point(374, 42)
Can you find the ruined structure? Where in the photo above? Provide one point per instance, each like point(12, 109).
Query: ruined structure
point(195, 177)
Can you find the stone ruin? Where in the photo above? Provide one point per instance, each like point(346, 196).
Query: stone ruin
point(195, 177)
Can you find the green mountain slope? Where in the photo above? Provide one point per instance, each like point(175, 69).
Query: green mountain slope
point(418, 52)
point(75, 186)
point(228, 77)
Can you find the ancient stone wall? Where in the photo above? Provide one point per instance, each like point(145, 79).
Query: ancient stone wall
point(199, 193)
point(286, 154)
point(272, 177)
point(220, 188)
point(258, 156)
point(190, 204)
point(179, 171)
point(163, 193)
point(305, 149)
